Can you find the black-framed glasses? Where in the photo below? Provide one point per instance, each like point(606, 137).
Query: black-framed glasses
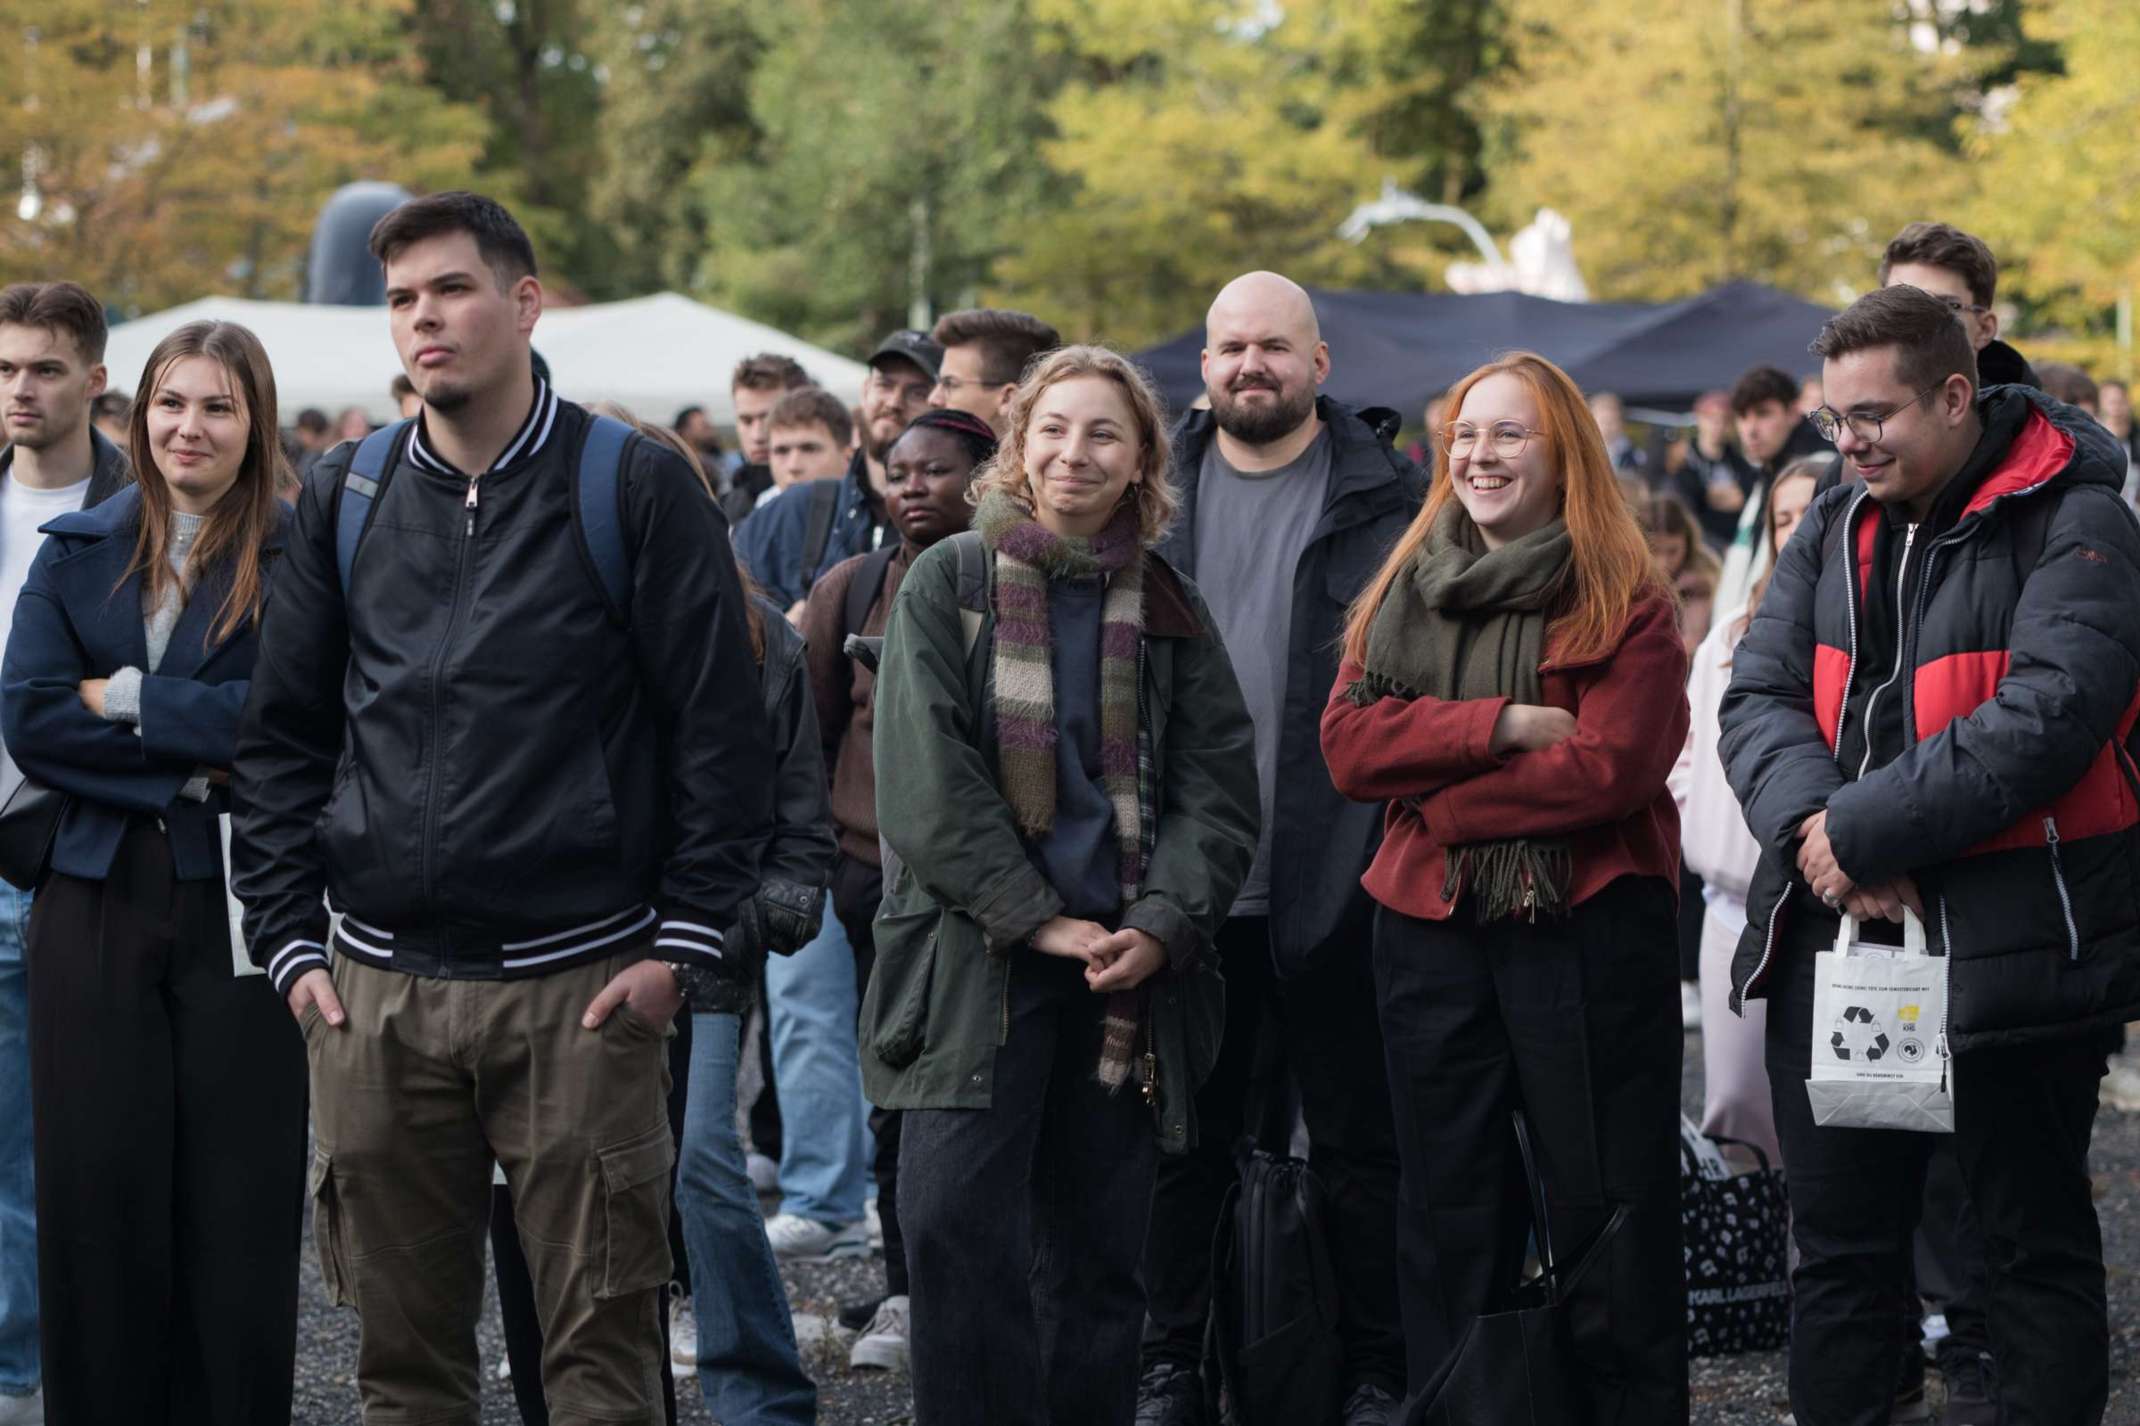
point(1957, 306)
point(1508, 439)
point(1865, 428)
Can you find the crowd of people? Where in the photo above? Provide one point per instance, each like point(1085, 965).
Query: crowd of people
point(960, 822)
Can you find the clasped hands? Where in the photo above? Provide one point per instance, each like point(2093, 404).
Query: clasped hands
point(1816, 863)
point(1114, 960)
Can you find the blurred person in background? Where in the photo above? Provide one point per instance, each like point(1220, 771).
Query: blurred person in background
point(986, 351)
point(1611, 417)
point(56, 461)
point(1721, 854)
point(755, 388)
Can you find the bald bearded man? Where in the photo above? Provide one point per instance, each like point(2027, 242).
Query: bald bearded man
point(1289, 502)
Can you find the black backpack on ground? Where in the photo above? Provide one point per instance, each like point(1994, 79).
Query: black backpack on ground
point(1273, 1339)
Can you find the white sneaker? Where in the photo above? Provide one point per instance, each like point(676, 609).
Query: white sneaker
point(30, 1410)
point(875, 1220)
point(805, 1240)
point(883, 1343)
point(683, 1334)
point(764, 1174)
point(1690, 1005)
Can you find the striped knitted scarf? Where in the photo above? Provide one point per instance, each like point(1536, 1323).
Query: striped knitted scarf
point(1028, 555)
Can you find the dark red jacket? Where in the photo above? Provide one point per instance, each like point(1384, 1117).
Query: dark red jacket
point(2013, 806)
point(1603, 789)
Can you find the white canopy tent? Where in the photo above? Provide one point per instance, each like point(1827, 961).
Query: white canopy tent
point(653, 355)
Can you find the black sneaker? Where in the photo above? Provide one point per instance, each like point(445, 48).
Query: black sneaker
point(856, 1314)
point(1169, 1394)
point(1369, 1405)
point(1972, 1399)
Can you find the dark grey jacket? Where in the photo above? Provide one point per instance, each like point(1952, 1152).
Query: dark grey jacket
point(1321, 843)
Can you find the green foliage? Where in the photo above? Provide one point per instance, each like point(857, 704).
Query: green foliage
point(1198, 140)
point(894, 139)
point(2059, 167)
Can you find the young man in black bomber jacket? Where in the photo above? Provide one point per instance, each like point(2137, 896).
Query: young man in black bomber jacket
point(526, 817)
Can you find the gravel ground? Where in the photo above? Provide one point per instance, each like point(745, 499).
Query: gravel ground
point(1733, 1390)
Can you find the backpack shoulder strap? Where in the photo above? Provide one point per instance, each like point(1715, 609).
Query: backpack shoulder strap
point(363, 481)
point(598, 489)
point(824, 498)
point(863, 591)
point(973, 584)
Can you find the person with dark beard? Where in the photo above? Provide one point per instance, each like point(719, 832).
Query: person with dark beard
point(1289, 501)
point(789, 543)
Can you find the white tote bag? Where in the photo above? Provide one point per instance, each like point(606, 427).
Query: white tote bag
point(1880, 1058)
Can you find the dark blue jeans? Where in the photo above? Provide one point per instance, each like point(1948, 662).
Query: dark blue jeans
point(1025, 1225)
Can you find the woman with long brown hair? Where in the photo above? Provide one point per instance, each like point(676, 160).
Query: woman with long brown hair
point(168, 1080)
point(1512, 685)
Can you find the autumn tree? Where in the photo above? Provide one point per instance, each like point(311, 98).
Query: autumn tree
point(1691, 141)
point(1197, 139)
point(2058, 168)
point(893, 141)
point(160, 151)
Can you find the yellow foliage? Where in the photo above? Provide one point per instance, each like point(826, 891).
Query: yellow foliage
point(1691, 141)
point(167, 149)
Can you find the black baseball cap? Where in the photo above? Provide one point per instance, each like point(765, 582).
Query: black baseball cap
point(913, 346)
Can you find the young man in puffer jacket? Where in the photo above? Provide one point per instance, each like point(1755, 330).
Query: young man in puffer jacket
point(1931, 711)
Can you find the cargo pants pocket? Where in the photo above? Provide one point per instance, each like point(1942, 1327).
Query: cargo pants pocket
point(635, 1213)
point(328, 1230)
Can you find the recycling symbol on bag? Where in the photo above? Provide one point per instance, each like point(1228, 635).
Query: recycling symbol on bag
point(1858, 1035)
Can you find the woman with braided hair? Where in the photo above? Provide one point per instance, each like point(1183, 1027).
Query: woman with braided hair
point(1512, 684)
point(1066, 777)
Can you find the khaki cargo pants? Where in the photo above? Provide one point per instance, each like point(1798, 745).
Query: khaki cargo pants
point(424, 1084)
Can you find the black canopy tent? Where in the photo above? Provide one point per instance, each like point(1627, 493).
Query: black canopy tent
point(1397, 349)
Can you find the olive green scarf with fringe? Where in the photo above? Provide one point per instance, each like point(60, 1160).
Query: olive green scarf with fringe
point(1463, 622)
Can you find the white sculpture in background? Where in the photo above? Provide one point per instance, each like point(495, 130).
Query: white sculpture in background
point(1543, 261)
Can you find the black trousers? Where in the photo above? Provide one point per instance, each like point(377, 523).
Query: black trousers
point(170, 1100)
point(1576, 1022)
point(2023, 1118)
point(857, 887)
point(1332, 1043)
point(1024, 1225)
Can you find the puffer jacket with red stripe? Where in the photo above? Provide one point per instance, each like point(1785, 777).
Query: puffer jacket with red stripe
point(2016, 806)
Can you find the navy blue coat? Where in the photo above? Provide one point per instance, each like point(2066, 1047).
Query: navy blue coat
point(76, 619)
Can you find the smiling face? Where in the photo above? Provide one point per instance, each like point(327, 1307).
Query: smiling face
point(1082, 454)
point(1506, 496)
point(462, 334)
point(45, 386)
point(1924, 435)
point(1264, 358)
point(926, 473)
point(198, 427)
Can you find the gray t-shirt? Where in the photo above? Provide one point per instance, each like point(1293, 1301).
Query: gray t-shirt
point(1251, 528)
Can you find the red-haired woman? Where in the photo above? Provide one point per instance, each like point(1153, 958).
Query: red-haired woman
point(1512, 685)
point(168, 1079)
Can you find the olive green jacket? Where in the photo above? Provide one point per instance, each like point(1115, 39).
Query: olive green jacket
point(961, 894)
